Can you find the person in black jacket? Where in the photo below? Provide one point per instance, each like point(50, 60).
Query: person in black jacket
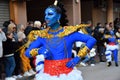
point(9, 47)
point(98, 35)
point(29, 27)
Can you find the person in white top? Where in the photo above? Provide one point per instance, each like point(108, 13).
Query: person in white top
point(2, 38)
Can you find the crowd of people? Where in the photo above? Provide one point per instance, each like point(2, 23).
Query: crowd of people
point(13, 37)
point(21, 61)
point(107, 46)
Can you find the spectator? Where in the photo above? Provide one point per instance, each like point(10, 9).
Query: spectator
point(37, 25)
point(2, 38)
point(13, 28)
point(5, 26)
point(26, 67)
point(116, 23)
point(98, 35)
point(9, 48)
point(28, 28)
point(89, 58)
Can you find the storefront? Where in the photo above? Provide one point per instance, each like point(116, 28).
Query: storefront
point(4, 11)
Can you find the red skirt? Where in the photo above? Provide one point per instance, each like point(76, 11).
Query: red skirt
point(56, 67)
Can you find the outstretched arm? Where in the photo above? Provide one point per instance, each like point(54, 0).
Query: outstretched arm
point(90, 42)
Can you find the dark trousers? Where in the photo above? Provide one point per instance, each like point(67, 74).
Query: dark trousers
point(18, 69)
point(2, 69)
point(101, 51)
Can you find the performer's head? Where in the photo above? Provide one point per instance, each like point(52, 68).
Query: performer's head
point(52, 16)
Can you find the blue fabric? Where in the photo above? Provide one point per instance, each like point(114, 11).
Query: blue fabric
point(112, 40)
point(115, 53)
point(60, 48)
point(108, 54)
point(73, 62)
point(9, 65)
point(41, 62)
point(27, 54)
point(43, 51)
point(112, 33)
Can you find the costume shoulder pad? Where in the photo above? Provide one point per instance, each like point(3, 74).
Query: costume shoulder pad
point(70, 29)
point(38, 33)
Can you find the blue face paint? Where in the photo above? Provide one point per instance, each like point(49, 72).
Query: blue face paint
point(52, 17)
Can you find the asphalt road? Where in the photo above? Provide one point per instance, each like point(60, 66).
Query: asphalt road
point(100, 72)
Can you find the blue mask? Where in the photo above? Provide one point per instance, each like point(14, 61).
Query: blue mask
point(52, 17)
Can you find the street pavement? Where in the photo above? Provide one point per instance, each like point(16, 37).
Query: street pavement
point(100, 72)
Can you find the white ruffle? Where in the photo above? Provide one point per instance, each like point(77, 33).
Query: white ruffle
point(39, 58)
point(40, 67)
point(73, 75)
point(112, 47)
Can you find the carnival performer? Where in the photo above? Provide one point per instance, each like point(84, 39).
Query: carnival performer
point(111, 47)
point(54, 45)
point(118, 39)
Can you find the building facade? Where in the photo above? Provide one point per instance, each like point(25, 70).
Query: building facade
point(77, 11)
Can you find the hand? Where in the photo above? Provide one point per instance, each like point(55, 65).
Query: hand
point(43, 51)
point(37, 51)
point(0, 30)
point(20, 40)
point(73, 62)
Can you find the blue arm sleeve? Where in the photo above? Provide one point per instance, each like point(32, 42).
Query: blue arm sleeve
point(89, 40)
point(35, 44)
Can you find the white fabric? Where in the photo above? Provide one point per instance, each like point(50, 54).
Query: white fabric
point(73, 75)
point(1, 51)
point(74, 52)
point(108, 52)
point(9, 55)
point(112, 47)
point(92, 52)
point(2, 38)
point(21, 35)
point(108, 56)
point(40, 67)
point(78, 43)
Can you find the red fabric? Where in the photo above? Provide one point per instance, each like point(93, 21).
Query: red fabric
point(111, 43)
point(56, 67)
